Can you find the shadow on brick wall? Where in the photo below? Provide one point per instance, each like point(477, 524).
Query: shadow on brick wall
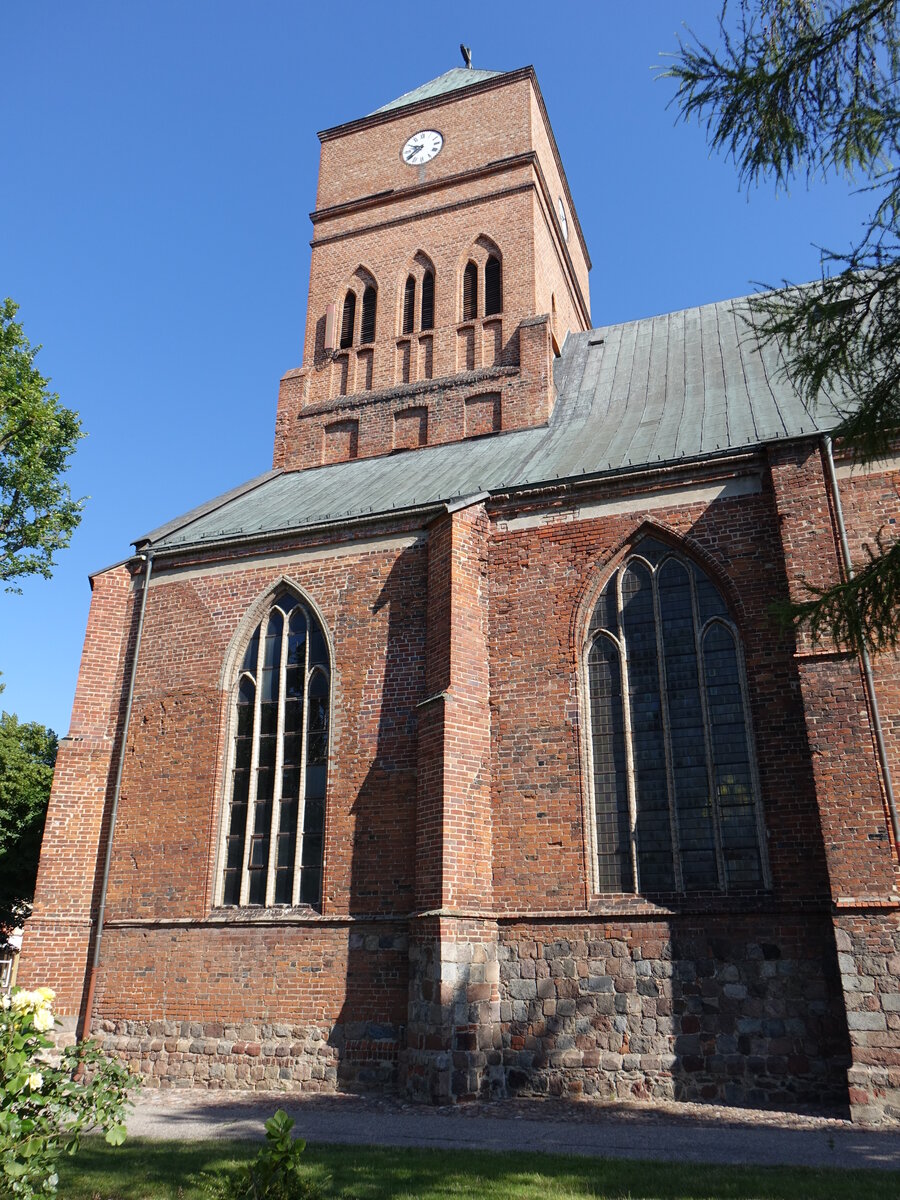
point(370, 1033)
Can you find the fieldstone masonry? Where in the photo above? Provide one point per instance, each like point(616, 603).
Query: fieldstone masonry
point(454, 1037)
point(672, 1010)
point(869, 962)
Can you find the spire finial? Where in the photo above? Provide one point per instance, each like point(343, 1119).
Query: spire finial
point(467, 55)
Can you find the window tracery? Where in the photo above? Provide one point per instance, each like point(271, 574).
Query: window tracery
point(676, 799)
point(272, 841)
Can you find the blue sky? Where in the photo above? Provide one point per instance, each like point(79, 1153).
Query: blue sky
point(159, 164)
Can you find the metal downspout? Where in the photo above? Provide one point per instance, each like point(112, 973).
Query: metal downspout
point(120, 767)
point(864, 653)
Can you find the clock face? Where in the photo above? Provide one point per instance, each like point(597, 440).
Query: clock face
point(561, 209)
point(422, 147)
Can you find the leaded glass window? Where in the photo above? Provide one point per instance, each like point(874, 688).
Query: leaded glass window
point(676, 806)
point(279, 765)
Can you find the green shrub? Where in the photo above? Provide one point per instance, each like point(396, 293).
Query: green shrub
point(48, 1099)
point(276, 1173)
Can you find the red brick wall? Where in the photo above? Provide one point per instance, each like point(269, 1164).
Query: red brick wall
point(871, 503)
point(861, 859)
point(365, 426)
point(468, 202)
point(453, 840)
point(539, 579)
point(56, 947)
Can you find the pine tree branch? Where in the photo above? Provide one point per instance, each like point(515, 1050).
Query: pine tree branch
point(858, 611)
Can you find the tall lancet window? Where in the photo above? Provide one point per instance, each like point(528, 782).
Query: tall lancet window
point(676, 799)
point(279, 767)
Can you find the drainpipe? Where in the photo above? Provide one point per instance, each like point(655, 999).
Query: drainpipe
point(864, 653)
point(120, 767)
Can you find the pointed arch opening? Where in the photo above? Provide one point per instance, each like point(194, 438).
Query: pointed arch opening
point(676, 806)
point(493, 286)
point(348, 319)
point(409, 305)
point(470, 292)
point(367, 321)
point(427, 314)
point(272, 838)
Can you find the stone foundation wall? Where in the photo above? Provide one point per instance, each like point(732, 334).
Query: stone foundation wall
point(255, 1005)
point(868, 946)
point(736, 1010)
point(255, 1057)
point(454, 1045)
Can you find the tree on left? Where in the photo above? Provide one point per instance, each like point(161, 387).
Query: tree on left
point(27, 757)
point(37, 436)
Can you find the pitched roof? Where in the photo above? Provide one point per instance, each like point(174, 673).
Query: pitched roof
point(662, 390)
point(451, 81)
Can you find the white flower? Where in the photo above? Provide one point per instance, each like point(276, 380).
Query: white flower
point(5, 1001)
point(43, 1020)
point(35, 1081)
point(46, 994)
point(23, 1000)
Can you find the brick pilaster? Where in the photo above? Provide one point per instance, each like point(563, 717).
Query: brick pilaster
point(454, 997)
point(58, 935)
point(861, 858)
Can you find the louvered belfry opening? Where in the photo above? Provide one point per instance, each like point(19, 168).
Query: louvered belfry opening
point(493, 286)
point(428, 301)
point(367, 325)
point(348, 319)
point(409, 304)
point(470, 292)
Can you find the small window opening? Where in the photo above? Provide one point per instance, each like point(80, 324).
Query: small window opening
point(367, 325)
point(493, 287)
point(409, 305)
point(348, 319)
point(427, 301)
point(470, 292)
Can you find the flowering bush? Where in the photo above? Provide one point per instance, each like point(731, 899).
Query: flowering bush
point(48, 1099)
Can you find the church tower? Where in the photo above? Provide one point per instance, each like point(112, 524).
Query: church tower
point(448, 265)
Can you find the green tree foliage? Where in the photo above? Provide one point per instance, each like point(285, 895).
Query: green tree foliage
point(27, 757)
point(810, 89)
point(37, 436)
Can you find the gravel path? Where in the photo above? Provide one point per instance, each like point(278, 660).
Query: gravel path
point(671, 1132)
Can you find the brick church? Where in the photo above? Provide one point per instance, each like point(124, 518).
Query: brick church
point(459, 754)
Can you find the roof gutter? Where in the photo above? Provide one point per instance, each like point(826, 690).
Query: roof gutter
point(147, 558)
point(883, 761)
point(268, 535)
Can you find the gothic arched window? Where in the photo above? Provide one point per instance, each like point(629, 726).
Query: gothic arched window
point(427, 321)
point(279, 763)
point(367, 324)
point(493, 286)
point(676, 803)
point(409, 305)
point(470, 292)
point(348, 318)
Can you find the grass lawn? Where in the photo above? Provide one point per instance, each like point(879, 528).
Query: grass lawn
point(145, 1170)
